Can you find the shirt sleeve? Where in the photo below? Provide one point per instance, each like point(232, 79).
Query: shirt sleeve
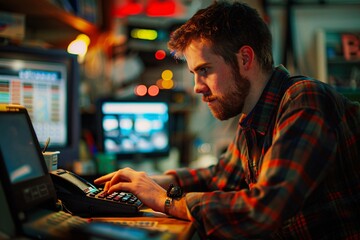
point(226, 175)
point(192, 180)
point(303, 148)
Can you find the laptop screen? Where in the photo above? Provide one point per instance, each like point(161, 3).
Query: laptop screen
point(18, 148)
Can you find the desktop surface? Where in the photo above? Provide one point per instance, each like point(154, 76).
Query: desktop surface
point(150, 219)
point(159, 226)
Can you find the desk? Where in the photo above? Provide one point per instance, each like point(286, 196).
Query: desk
point(148, 218)
point(182, 229)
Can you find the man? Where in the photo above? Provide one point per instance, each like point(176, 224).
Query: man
point(292, 170)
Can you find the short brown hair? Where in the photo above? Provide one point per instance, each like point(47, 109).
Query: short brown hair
point(227, 27)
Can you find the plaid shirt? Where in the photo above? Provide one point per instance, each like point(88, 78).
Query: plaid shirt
point(291, 172)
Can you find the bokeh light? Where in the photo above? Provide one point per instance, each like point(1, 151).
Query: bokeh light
point(140, 90)
point(153, 90)
point(167, 74)
point(160, 54)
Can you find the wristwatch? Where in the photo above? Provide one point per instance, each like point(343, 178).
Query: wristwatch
point(173, 192)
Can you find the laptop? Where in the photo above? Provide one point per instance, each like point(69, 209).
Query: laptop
point(28, 200)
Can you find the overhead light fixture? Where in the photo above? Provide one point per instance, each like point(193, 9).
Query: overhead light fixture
point(79, 46)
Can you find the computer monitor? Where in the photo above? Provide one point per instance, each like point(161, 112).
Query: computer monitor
point(45, 81)
point(24, 177)
point(134, 129)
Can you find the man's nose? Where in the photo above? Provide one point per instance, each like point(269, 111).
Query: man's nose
point(199, 86)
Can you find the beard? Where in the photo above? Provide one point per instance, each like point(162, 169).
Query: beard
point(232, 103)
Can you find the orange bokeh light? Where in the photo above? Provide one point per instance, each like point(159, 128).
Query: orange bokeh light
point(141, 90)
point(153, 90)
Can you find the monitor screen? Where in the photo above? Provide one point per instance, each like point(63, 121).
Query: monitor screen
point(130, 129)
point(18, 148)
point(46, 83)
point(23, 171)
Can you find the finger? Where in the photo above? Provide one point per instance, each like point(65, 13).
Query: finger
point(122, 179)
point(121, 186)
point(107, 186)
point(104, 178)
point(122, 175)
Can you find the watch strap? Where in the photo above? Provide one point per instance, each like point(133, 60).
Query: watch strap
point(173, 193)
point(168, 203)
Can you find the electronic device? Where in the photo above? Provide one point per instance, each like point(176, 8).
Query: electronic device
point(27, 195)
point(28, 198)
point(84, 199)
point(45, 81)
point(134, 128)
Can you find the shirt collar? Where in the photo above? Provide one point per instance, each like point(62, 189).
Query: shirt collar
point(260, 116)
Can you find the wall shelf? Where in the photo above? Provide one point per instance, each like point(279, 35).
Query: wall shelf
point(51, 23)
point(333, 67)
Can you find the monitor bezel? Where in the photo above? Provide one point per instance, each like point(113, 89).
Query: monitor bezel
point(70, 151)
point(139, 156)
point(15, 192)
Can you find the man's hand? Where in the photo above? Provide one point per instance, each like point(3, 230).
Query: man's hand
point(138, 183)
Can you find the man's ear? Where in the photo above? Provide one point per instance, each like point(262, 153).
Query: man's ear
point(246, 57)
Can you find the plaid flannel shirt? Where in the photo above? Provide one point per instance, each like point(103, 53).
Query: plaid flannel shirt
point(291, 172)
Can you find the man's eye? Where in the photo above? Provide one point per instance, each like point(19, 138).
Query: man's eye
point(203, 71)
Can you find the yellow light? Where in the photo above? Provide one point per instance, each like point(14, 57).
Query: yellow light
point(167, 75)
point(79, 46)
point(167, 84)
point(145, 34)
point(84, 38)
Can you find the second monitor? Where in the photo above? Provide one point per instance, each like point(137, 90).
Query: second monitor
point(131, 129)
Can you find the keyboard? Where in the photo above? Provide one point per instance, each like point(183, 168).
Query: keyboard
point(122, 197)
point(81, 198)
point(100, 204)
point(52, 225)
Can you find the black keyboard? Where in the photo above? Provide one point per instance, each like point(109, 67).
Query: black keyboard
point(100, 204)
point(122, 197)
point(53, 225)
point(85, 200)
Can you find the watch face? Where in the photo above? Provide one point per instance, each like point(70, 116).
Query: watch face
point(174, 191)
